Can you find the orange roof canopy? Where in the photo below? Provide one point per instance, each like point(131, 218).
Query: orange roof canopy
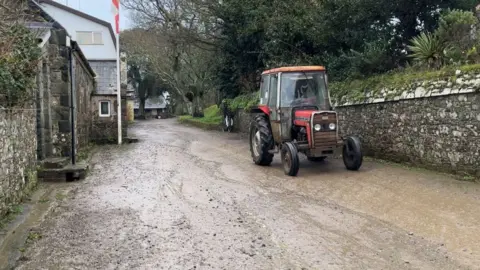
point(294, 69)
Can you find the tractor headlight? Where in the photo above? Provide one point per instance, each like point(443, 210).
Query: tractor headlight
point(317, 127)
point(332, 126)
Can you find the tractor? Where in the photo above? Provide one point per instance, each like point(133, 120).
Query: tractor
point(295, 115)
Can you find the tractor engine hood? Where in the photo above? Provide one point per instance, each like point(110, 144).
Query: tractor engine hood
point(304, 115)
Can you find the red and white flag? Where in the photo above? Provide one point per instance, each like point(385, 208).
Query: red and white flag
point(116, 13)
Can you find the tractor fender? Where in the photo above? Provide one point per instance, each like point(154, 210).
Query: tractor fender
point(263, 109)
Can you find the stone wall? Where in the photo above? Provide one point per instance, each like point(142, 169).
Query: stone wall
point(17, 154)
point(433, 124)
point(242, 121)
point(440, 132)
point(44, 112)
point(60, 94)
point(105, 129)
point(84, 88)
point(60, 97)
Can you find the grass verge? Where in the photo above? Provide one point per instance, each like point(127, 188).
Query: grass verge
point(211, 121)
point(11, 214)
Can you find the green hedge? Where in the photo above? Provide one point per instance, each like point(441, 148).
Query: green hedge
point(354, 90)
point(244, 101)
point(212, 119)
point(212, 114)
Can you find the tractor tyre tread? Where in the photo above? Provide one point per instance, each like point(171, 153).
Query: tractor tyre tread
point(353, 165)
point(295, 162)
point(261, 124)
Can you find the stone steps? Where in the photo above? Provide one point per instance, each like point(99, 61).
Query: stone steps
point(60, 170)
point(55, 162)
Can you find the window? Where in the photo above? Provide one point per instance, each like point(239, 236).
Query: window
point(264, 89)
point(272, 99)
point(104, 108)
point(89, 38)
point(304, 89)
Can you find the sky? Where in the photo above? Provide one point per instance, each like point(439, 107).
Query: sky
point(101, 9)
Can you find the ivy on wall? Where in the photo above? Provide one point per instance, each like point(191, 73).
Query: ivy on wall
point(19, 55)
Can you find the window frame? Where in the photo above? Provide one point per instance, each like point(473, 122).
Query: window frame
point(100, 108)
point(264, 89)
point(273, 90)
point(92, 33)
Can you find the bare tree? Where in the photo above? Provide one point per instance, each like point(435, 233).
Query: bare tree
point(171, 37)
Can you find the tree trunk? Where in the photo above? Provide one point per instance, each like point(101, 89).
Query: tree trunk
point(197, 105)
point(142, 108)
point(190, 108)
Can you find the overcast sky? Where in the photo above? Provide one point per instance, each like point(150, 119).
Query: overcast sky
point(101, 9)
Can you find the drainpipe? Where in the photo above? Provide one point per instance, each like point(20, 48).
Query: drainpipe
point(72, 97)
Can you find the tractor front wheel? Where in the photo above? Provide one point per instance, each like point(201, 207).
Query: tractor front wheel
point(352, 153)
point(261, 141)
point(290, 161)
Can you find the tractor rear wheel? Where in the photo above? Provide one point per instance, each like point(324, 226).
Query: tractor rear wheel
point(352, 153)
point(290, 161)
point(316, 159)
point(261, 141)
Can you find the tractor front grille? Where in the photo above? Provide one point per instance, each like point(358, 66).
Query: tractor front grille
point(325, 138)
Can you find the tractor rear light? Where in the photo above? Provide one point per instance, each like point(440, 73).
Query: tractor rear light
point(332, 126)
point(317, 127)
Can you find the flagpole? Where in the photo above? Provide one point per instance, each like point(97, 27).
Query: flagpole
point(119, 97)
point(119, 90)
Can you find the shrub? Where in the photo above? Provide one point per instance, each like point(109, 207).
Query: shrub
point(453, 42)
point(212, 111)
point(245, 101)
point(455, 26)
point(19, 54)
point(211, 119)
point(455, 30)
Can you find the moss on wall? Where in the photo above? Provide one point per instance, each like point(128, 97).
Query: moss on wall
point(393, 84)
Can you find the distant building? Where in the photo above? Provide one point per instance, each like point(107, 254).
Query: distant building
point(155, 107)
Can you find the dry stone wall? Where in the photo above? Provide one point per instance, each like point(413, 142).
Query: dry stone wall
point(433, 124)
point(18, 150)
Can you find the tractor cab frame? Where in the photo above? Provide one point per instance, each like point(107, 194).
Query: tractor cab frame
point(294, 116)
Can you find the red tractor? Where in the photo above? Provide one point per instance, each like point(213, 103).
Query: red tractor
point(295, 115)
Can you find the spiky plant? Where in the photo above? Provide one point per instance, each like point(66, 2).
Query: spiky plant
point(427, 49)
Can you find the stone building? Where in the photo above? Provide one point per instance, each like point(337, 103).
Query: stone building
point(155, 107)
point(97, 40)
point(41, 128)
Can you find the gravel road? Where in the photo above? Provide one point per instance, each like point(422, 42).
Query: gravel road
point(183, 198)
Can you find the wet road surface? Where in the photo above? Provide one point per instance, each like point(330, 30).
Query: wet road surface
point(183, 198)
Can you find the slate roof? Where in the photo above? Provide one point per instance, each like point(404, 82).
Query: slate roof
point(152, 103)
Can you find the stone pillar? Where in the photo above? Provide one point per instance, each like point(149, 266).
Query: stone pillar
point(47, 110)
point(40, 117)
point(60, 94)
